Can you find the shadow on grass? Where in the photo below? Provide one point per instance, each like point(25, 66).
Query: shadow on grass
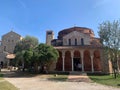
point(18, 74)
point(61, 76)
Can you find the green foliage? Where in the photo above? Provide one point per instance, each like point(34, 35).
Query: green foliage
point(106, 80)
point(26, 43)
point(46, 53)
point(24, 50)
point(19, 57)
point(30, 53)
point(109, 33)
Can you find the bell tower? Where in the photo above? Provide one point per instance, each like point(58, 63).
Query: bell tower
point(49, 37)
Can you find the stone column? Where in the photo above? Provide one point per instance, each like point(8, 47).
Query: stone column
point(81, 52)
point(63, 59)
point(72, 56)
point(8, 63)
point(92, 62)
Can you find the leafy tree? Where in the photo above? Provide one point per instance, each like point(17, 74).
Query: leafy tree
point(26, 43)
point(109, 33)
point(19, 59)
point(46, 54)
point(28, 58)
point(29, 52)
point(24, 50)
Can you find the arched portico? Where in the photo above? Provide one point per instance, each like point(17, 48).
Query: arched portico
point(89, 60)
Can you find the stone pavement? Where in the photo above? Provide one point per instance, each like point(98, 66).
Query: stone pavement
point(24, 82)
point(78, 77)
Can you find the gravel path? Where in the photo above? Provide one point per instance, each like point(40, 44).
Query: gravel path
point(36, 83)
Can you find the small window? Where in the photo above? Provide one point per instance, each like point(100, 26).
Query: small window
point(4, 48)
point(82, 41)
point(75, 41)
point(69, 41)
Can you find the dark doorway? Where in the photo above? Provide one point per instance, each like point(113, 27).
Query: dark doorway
point(1, 63)
point(77, 64)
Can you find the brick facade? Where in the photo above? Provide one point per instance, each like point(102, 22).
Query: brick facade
point(78, 45)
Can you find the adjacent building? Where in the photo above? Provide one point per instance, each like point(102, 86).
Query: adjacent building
point(7, 45)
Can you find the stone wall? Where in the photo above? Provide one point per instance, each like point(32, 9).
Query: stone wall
point(78, 36)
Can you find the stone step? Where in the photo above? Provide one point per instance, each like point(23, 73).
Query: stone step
point(76, 76)
point(77, 73)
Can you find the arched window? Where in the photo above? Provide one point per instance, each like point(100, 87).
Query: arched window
point(69, 41)
point(4, 48)
point(75, 41)
point(82, 41)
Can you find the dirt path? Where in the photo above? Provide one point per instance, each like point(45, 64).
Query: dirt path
point(36, 83)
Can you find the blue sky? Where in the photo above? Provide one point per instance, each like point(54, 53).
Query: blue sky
point(35, 17)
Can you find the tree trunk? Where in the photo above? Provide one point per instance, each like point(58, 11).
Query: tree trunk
point(115, 74)
point(23, 66)
point(36, 67)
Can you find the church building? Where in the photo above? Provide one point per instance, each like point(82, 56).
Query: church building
point(7, 46)
point(79, 50)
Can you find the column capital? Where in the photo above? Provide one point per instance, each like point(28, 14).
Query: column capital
point(72, 53)
point(81, 52)
point(91, 53)
point(63, 53)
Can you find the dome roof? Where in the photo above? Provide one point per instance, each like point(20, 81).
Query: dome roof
point(80, 29)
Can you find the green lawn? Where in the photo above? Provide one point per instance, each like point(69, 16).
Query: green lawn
point(106, 80)
point(4, 85)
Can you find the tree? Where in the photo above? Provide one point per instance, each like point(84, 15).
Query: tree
point(46, 54)
point(28, 58)
point(26, 43)
point(24, 50)
point(109, 33)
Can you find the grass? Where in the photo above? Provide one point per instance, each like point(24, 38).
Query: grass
point(4, 85)
point(106, 80)
point(54, 77)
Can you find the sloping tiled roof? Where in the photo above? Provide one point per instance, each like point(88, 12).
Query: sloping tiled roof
point(80, 29)
point(10, 56)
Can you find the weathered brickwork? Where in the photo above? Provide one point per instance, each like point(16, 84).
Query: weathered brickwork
point(79, 50)
point(8, 43)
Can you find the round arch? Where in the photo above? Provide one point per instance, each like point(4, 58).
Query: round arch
point(77, 53)
point(77, 64)
point(68, 62)
point(87, 60)
point(59, 63)
point(96, 60)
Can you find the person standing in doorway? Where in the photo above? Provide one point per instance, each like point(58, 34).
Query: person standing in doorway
point(79, 66)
